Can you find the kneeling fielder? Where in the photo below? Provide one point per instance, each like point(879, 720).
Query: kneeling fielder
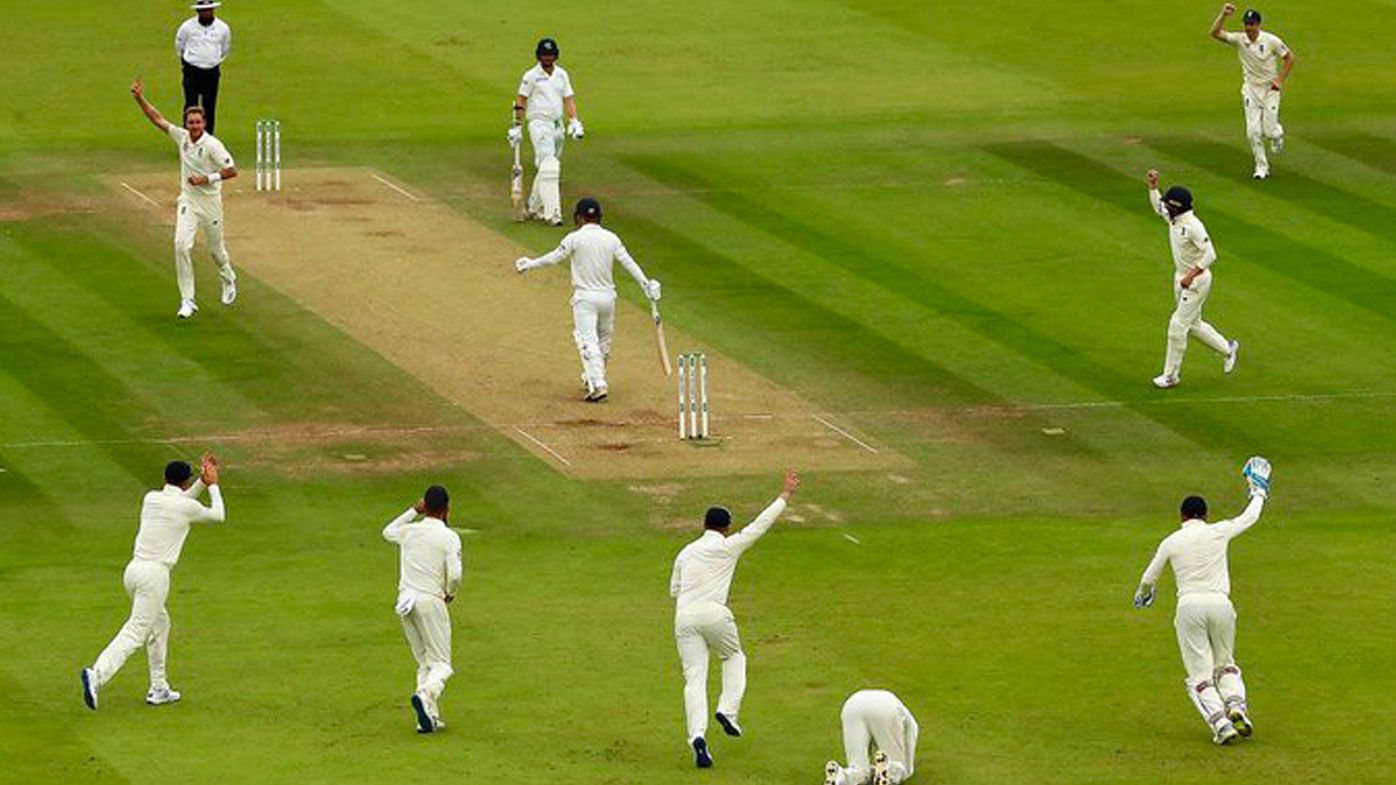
point(430, 566)
point(593, 250)
point(204, 163)
point(1206, 620)
point(545, 94)
point(876, 719)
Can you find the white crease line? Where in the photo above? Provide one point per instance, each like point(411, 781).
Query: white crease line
point(395, 188)
point(846, 434)
point(128, 187)
point(1222, 399)
point(550, 450)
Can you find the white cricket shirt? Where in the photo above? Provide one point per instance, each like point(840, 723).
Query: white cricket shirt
point(203, 46)
point(704, 568)
point(206, 156)
point(430, 561)
point(593, 250)
point(545, 92)
point(1187, 236)
point(1260, 59)
point(166, 515)
point(1197, 552)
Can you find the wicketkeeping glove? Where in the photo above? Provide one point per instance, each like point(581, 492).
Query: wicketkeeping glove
point(574, 128)
point(1144, 596)
point(515, 135)
point(1257, 474)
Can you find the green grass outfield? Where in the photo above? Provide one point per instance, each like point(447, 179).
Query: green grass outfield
point(887, 207)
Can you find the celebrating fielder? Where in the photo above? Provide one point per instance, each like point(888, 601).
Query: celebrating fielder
point(204, 163)
point(1193, 254)
point(166, 516)
point(700, 582)
point(1262, 80)
point(430, 576)
point(1205, 619)
point(593, 250)
point(546, 98)
point(875, 719)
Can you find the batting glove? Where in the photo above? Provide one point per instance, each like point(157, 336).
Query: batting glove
point(653, 291)
point(1144, 597)
point(521, 263)
point(1257, 474)
point(575, 129)
point(515, 135)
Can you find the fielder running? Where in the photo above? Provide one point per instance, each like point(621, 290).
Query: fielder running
point(699, 585)
point(166, 516)
point(1206, 620)
point(430, 576)
point(1193, 254)
point(1262, 80)
point(875, 719)
point(545, 94)
point(204, 164)
point(593, 250)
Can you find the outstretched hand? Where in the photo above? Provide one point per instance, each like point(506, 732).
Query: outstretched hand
point(1228, 9)
point(792, 482)
point(1152, 178)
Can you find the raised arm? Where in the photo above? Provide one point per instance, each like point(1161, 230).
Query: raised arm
point(1247, 518)
point(215, 512)
point(393, 531)
point(1155, 198)
point(138, 92)
point(1217, 24)
point(1257, 473)
point(752, 531)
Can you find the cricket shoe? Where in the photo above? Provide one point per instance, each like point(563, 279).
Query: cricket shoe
point(701, 757)
point(729, 724)
point(881, 775)
point(831, 773)
point(1224, 735)
point(230, 292)
point(1241, 722)
point(1229, 364)
point(89, 688)
point(425, 722)
point(1260, 174)
point(1163, 381)
point(187, 308)
point(159, 696)
point(597, 394)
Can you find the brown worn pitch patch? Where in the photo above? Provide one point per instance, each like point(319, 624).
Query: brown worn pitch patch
point(436, 294)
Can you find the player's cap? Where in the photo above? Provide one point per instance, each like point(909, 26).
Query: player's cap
point(205, 5)
point(1251, 17)
point(588, 208)
point(547, 46)
point(1179, 198)
point(717, 518)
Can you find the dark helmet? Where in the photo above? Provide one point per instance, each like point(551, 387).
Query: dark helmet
point(588, 208)
point(547, 46)
point(1178, 199)
point(1251, 16)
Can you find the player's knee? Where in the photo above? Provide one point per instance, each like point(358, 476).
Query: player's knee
point(550, 168)
point(1177, 329)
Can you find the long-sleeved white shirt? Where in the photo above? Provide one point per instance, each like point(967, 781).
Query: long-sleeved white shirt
point(203, 46)
point(430, 560)
point(166, 516)
point(593, 250)
point(703, 570)
point(1187, 236)
point(1197, 552)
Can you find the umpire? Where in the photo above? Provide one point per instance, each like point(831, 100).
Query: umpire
point(202, 44)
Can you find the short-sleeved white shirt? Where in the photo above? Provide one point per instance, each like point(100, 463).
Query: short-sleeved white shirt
point(1189, 241)
point(545, 92)
point(1260, 59)
point(206, 156)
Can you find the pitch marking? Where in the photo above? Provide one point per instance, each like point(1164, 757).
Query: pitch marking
point(549, 450)
point(846, 434)
point(128, 187)
point(395, 187)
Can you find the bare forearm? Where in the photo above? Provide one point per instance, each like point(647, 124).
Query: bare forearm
point(1217, 25)
point(569, 105)
point(152, 113)
point(1289, 64)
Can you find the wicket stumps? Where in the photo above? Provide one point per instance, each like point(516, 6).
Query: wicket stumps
point(693, 395)
point(268, 155)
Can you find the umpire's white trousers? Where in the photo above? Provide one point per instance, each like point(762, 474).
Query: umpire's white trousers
point(1262, 107)
point(593, 325)
point(877, 719)
point(1187, 320)
point(191, 215)
point(427, 625)
point(697, 630)
point(1206, 627)
point(148, 584)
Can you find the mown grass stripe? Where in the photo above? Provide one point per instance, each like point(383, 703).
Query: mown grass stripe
point(1375, 151)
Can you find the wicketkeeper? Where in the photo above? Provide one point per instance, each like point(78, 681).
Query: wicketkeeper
point(875, 719)
point(545, 95)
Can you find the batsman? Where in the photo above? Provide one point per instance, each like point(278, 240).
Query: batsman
point(546, 99)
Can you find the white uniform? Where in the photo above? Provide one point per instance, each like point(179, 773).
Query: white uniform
point(593, 250)
point(1206, 620)
point(545, 114)
point(1192, 248)
point(1260, 65)
point(699, 584)
point(877, 719)
point(430, 570)
point(166, 516)
point(199, 207)
point(203, 46)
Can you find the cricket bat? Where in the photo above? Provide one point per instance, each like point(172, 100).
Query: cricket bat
point(516, 186)
point(659, 333)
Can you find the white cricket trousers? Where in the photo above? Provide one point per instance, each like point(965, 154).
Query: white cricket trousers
point(877, 719)
point(1187, 320)
point(428, 629)
point(1262, 108)
point(191, 215)
point(698, 630)
point(148, 584)
point(1206, 626)
point(593, 325)
point(545, 199)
